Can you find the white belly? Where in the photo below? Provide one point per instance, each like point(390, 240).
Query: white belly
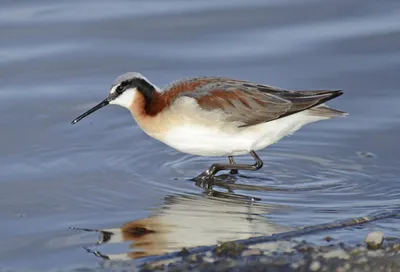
point(210, 140)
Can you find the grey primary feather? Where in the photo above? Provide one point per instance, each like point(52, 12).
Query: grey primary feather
point(251, 103)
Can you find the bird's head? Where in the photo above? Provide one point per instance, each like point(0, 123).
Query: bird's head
point(123, 92)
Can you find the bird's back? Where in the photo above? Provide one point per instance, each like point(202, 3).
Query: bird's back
point(250, 103)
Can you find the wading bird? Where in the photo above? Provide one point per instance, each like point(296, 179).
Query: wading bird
point(216, 116)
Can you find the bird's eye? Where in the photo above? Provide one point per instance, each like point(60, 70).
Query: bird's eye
point(119, 89)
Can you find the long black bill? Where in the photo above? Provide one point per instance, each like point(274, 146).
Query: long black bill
point(95, 108)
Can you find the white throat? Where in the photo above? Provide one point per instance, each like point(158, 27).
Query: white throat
point(126, 98)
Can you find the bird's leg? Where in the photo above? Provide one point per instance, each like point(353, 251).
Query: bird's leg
point(216, 167)
point(232, 161)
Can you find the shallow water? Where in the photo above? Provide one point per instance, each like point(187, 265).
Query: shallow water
point(59, 59)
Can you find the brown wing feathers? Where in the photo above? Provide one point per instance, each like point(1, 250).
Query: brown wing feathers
point(243, 102)
point(252, 104)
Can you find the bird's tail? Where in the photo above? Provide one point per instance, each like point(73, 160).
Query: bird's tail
point(327, 112)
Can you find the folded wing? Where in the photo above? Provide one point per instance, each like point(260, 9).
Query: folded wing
point(250, 104)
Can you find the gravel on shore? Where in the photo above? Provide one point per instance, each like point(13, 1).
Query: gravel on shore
point(287, 256)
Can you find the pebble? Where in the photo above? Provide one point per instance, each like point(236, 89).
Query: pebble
point(344, 268)
point(374, 239)
point(194, 258)
point(208, 259)
point(347, 266)
point(184, 252)
point(362, 249)
point(340, 269)
point(376, 253)
point(396, 247)
point(251, 252)
point(315, 266)
point(362, 260)
point(337, 253)
point(295, 265)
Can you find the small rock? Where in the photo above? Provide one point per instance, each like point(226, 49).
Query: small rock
point(347, 266)
point(295, 265)
point(396, 247)
point(374, 239)
point(229, 249)
point(264, 260)
point(336, 253)
point(328, 238)
point(146, 268)
point(208, 259)
point(228, 263)
point(305, 248)
point(361, 260)
point(362, 249)
point(184, 252)
point(251, 252)
point(195, 258)
point(375, 253)
point(340, 269)
point(315, 266)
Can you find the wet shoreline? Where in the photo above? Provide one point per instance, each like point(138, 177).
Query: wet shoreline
point(298, 256)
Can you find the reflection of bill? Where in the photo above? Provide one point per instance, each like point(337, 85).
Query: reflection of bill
point(190, 221)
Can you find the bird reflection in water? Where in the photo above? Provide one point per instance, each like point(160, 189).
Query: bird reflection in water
point(187, 221)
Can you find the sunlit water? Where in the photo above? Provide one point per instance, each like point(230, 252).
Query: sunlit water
point(58, 59)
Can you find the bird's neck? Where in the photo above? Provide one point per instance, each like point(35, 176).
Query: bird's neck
point(146, 89)
point(148, 103)
point(157, 104)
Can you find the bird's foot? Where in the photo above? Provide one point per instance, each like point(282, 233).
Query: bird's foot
point(206, 176)
point(204, 180)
